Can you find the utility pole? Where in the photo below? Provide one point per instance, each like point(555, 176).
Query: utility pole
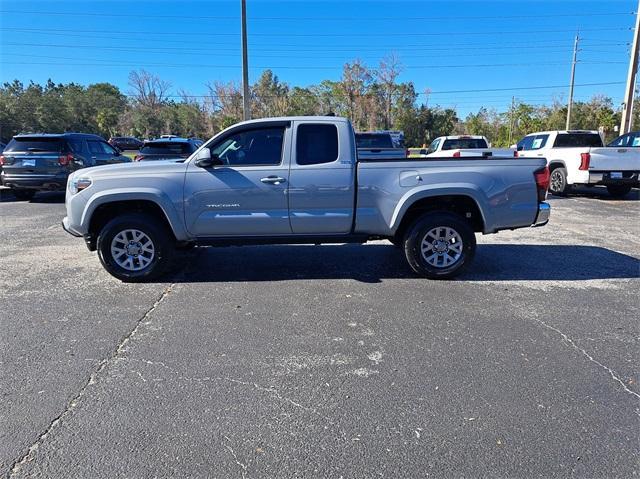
point(513, 101)
point(246, 107)
point(627, 106)
point(573, 77)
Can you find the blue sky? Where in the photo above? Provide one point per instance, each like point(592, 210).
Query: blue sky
point(446, 47)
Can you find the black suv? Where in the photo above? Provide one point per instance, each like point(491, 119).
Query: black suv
point(43, 161)
point(126, 142)
point(173, 148)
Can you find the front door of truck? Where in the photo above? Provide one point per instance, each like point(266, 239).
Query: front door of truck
point(246, 194)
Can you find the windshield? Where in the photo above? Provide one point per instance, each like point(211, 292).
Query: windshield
point(366, 140)
point(35, 144)
point(464, 144)
point(166, 148)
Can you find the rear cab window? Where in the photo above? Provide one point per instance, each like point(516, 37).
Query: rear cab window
point(577, 140)
point(464, 144)
point(168, 147)
point(36, 145)
point(316, 144)
point(370, 140)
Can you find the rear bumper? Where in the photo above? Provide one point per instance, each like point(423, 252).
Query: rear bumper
point(36, 182)
point(631, 178)
point(544, 212)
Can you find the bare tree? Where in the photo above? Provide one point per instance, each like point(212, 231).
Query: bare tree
point(387, 74)
point(148, 90)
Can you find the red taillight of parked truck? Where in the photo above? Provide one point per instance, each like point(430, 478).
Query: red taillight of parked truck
point(456, 154)
point(2, 160)
point(585, 159)
point(542, 177)
point(138, 158)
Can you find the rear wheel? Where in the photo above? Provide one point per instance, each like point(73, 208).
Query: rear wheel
point(23, 194)
point(135, 248)
point(439, 245)
point(558, 182)
point(618, 191)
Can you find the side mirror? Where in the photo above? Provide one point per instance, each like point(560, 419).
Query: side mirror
point(520, 148)
point(204, 159)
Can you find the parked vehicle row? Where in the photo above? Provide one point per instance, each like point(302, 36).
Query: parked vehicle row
point(44, 161)
point(300, 180)
point(578, 157)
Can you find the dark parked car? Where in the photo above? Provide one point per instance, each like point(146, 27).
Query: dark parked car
point(36, 162)
point(126, 142)
point(167, 149)
point(628, 140)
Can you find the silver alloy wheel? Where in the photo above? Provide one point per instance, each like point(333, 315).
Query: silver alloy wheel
point(441, 247)
point(556, 181)
point(132, 250)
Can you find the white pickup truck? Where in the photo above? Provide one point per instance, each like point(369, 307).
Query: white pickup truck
point(578, 157)
point(461, 146)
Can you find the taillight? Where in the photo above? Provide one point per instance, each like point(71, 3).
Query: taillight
point(585, 158)
point(515, 153)
point(138, 158)
point(64, 160)
point(542, 177)
point(456, 154)
point(1, 160)
point(407, 153)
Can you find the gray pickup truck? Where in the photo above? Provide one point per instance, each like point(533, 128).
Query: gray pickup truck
point(298, 180)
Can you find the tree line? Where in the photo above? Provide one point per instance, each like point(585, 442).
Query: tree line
point(372, 98)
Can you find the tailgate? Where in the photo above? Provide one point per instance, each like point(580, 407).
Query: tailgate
point(614, 159)
point(32, 163)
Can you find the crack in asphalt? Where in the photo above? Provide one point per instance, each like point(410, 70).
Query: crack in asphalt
point(243, 467)
point(28, 456)
point(571, 343)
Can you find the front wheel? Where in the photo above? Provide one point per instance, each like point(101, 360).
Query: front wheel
point(618, 191)
point(135, 247)
point(439, 245)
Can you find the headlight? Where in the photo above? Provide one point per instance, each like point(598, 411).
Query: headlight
point(78, 184)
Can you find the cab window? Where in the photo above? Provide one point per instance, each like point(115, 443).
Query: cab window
point(259, 147)
point(316, 144)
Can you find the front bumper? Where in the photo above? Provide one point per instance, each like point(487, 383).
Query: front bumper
point(69, 229)
point(544, 212)
point(631, 178)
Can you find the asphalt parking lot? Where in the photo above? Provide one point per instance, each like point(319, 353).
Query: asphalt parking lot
point(325, 361)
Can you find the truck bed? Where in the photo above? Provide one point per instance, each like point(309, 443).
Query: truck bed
point(503, 188)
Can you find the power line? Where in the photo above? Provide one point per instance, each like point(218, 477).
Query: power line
point(317, 45)
point(345, 18)
point(565, 47)
point(316, 35)
point(524, 88)
point(281, 67)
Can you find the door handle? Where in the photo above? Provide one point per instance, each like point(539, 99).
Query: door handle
point(273, 180)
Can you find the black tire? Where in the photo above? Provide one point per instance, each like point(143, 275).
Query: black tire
point(618, 191)
point(558, 182)
point(22, 194)
point(419, 230)
point(162, 241)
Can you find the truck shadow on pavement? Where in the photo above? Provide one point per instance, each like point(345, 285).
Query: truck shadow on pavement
point(374, 263)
